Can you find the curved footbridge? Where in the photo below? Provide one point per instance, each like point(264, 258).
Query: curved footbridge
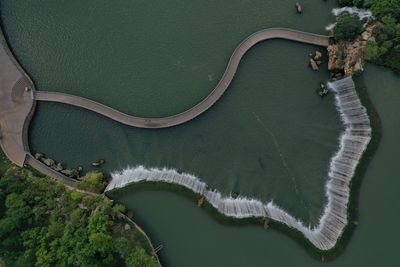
point(17, 108)
point(18, 99)
point(206, 103)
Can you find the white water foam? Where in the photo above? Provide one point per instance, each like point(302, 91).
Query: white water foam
point(362, 13)
point(353, 143)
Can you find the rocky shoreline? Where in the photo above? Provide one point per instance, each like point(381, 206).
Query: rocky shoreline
point(347, 58)
point(75, 173)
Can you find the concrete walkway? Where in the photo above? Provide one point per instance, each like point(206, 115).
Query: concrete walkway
point(16, 110)
point(205, 104)
point(18, 97)
point(16, 106)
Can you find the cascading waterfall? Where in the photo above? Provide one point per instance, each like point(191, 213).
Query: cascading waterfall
point(362, 13)
point(353, 143)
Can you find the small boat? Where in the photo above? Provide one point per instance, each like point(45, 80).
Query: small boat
point(96, 164)
point(298, 8)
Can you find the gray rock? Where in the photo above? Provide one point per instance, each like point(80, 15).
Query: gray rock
point(39, 156)
point(58, 167)
point(127, 227)
point(318, 56)
point(365, 35)
point(313, 65)
point(67, 172)
point(49, 162)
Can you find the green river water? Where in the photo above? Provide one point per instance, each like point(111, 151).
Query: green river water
point(269, 137)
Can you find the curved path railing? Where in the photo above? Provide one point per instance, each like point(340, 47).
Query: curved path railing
point(205, 104)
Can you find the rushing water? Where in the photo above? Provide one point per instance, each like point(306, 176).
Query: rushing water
point(249, 142)
point(360, 12)
point(353, 144)
point(240, 145)
point(159, 57)
point(188, 233)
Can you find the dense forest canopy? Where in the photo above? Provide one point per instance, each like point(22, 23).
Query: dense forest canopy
point(44, 224)
point(384, 49)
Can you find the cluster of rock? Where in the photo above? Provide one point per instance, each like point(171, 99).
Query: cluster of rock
point(315, 60)
point(348, 57)
point(323, 90)
point(58, 167)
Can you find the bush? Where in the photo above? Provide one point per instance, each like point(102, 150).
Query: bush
point(347, 28)
point(93, 182)
point(373, 51)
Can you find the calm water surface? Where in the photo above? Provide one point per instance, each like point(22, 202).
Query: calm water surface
point(192, 238)
point(270, 137)
point(157, 58)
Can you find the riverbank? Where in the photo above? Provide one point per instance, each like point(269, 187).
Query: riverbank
point(16, 183)
point(374, 234)
point(225, 218)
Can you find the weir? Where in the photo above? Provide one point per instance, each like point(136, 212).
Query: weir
point(324, 236)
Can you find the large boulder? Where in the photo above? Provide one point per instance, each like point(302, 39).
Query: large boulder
point(39, 156)
point(49, 162)
point(313, 65)
point(67, 172)
point(318, 56)
point(58, 167)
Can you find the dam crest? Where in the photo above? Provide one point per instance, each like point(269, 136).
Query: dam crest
point(353, 143)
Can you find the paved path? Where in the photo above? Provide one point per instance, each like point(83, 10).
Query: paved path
point(16, 110)
point(205, 104)
point(16, 106)
point(18, 97)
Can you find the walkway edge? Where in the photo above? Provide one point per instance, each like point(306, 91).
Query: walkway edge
point(206, 103)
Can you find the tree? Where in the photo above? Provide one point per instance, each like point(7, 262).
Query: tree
point(347, 28)
point(373, 51)
point(381, 8)
point(346, 2)
point(43, 224)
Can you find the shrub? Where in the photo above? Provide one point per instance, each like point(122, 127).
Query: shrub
point(93, 182)
point(373, 51)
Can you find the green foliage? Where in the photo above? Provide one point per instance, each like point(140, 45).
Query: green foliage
point(43, 224)
point(373, 51)
point(381, 8)
point(345, 2)
point(384, 48)
point(138, 258)
point(347, 28)
point(93, 182)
